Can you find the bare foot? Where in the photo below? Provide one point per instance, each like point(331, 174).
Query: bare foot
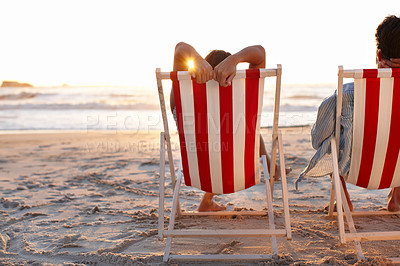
point(278, 172)
point(208, 205)
point(211, 206)
point(394, 200)
point(326, 208)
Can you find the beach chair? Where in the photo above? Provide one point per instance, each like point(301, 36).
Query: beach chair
point(375, 161)
point(219, 131)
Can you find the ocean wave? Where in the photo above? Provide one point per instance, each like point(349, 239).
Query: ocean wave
point(291, 108)
point(306, 97)
point(19, 96)
point(122, 95)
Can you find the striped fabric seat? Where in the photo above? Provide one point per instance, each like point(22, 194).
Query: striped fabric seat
point(219, 130)
point(375, 162)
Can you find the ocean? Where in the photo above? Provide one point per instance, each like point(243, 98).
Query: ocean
point(131, 108)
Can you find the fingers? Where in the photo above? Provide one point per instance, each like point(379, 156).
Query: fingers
point(384, 64)
point(203, 72)
point(394, 62)
point(221, 77)
point(204, 76)
point(229, 79)
point(191, 72)
point(211, 75)
point(226, 81)
point(224, 75)
point(225, 71)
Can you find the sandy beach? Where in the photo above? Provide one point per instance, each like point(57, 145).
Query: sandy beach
point(91, 198)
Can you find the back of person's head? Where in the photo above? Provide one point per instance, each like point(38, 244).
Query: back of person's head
point(216, 56)
point(388, 37)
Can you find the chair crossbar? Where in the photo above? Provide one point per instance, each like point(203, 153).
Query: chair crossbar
point(240, 74)
point(358, 73)
point(394, 260)
point(372, 236)
point(226, 233)
point(212, 257)
point(225, 213)
point(369, 213)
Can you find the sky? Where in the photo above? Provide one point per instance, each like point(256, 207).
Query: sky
point(87, 42)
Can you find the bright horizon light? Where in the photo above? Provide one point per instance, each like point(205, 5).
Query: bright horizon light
point(73, 42)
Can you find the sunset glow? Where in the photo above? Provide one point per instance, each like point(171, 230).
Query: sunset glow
point(121, 43)
point(190, 64)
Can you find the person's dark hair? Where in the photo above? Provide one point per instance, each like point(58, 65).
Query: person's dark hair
point(216, 56)
point(388, 37)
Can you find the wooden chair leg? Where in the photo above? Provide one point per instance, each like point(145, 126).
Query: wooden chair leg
point(332, 199)
point(270, 207)
point(162, 188)
point(337, 184)
point(273, 165)
point(173, 215)
point(341, 202)
point(167, 249)
point(350, 223)
point(285, 196)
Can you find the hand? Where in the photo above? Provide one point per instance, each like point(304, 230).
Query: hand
point(202, 71)
point(225, 71)
point(393, 62)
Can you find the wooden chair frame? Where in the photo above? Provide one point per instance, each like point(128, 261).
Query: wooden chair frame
point(176, 211)
point(337, 190)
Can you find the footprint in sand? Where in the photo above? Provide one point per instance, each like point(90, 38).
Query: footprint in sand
point(150, 165)
point(9, 204)
point(45, 146)
point(70, 149)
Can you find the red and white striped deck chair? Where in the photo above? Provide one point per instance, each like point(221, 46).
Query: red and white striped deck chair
point(219, 135)
point(375, 161)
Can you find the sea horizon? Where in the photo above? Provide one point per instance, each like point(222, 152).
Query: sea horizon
point(130, 108)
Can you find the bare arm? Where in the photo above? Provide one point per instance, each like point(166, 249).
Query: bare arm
point(226, 70)
point(184, 52)
point(393, 62)
point(202, 70)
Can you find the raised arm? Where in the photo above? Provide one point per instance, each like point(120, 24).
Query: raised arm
point(202, 70)
point(226, 70)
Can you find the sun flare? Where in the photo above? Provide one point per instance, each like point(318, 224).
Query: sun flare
point(191, 64)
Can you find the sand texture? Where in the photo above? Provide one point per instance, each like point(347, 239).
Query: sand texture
point(91, 198)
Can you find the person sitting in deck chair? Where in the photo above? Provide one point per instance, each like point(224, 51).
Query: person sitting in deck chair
point(387, 56)
point(220, 66)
